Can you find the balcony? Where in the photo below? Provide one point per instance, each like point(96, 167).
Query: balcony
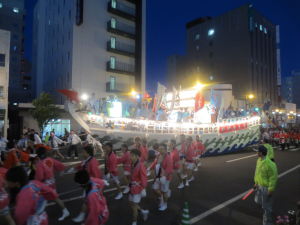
point(119, 67)
point(121, 48)
point(131, 1)
point(118, 88)
point(122, 29)
point(121, 10)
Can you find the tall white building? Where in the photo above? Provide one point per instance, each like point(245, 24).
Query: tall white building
point(4, 79)
point(89, 46)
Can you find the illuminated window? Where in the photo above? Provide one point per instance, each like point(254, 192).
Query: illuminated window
point(112, 62)
point(114, 4)
point(260, 27)
point(112, 83)
point(265, 30)
point(113, 23)
point(197, 36)
point(1, 5)
point(113, 42)
point(211, 32)
point(15, 10)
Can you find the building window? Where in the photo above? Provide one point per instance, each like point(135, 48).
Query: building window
point(265, 30)
point(15, 10)
point(2, 60)
point(1, 5)
point(112, 83)
point(15, 48)
point(112, 62)
point(114, 4)
point(68, 56)
point(211, 32)
point(25, 86)
point(1, 92)
point(26, 78)
point(113, 42)
point(197, 37)
point(113, 23)
point(260, 27)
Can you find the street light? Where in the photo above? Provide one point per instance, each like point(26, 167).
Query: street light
point(199, 86)
point(133, 93)
point(251, 96)
point(84, 97)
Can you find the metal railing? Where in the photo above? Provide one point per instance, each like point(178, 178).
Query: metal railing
point(120, 66)
point(161, 127)
point(119, 26)
point(121, 47)
point(122, 7)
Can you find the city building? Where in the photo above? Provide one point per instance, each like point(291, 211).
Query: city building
point(287, 89)
point(12, 16)
point(175, 69)
point(238, 47)
point(290, 88)
point(89, 46)
point(4, 80)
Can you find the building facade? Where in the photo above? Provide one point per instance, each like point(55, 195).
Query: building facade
point(4, 80)
point(239, 48)
point(89, 46)
point(290, 89)
point(12, 16)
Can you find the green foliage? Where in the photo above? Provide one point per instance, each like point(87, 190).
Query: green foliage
point(44, 110)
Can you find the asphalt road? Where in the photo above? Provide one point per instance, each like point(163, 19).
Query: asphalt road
point(213, 197)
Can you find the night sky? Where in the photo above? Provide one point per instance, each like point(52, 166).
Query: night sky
point(166, 21)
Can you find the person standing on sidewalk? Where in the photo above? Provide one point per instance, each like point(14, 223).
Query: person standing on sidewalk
point(265, 180)
point(74, 141)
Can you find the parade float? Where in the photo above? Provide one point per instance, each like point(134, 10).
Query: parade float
point(194, 111)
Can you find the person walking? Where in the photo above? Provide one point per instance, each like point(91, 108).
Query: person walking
point(163, 169)
point(30, 197)
point(54, 143)
point(126, 161)
point(96, 205)
point(265, 180)
point(111, 168)
point(138, 183)
point(44, 172)
point(74, 141)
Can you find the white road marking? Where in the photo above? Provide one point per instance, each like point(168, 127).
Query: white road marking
point(249, 156)
point(230, 201)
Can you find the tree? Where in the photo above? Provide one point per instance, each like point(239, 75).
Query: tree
point(44, 110)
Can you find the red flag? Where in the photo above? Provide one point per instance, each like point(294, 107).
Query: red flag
point(199, 101)
point(70, 94)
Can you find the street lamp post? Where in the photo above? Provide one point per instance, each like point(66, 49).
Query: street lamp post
point(249, 98)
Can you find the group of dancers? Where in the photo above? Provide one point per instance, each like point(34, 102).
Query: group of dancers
point(25, 189)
